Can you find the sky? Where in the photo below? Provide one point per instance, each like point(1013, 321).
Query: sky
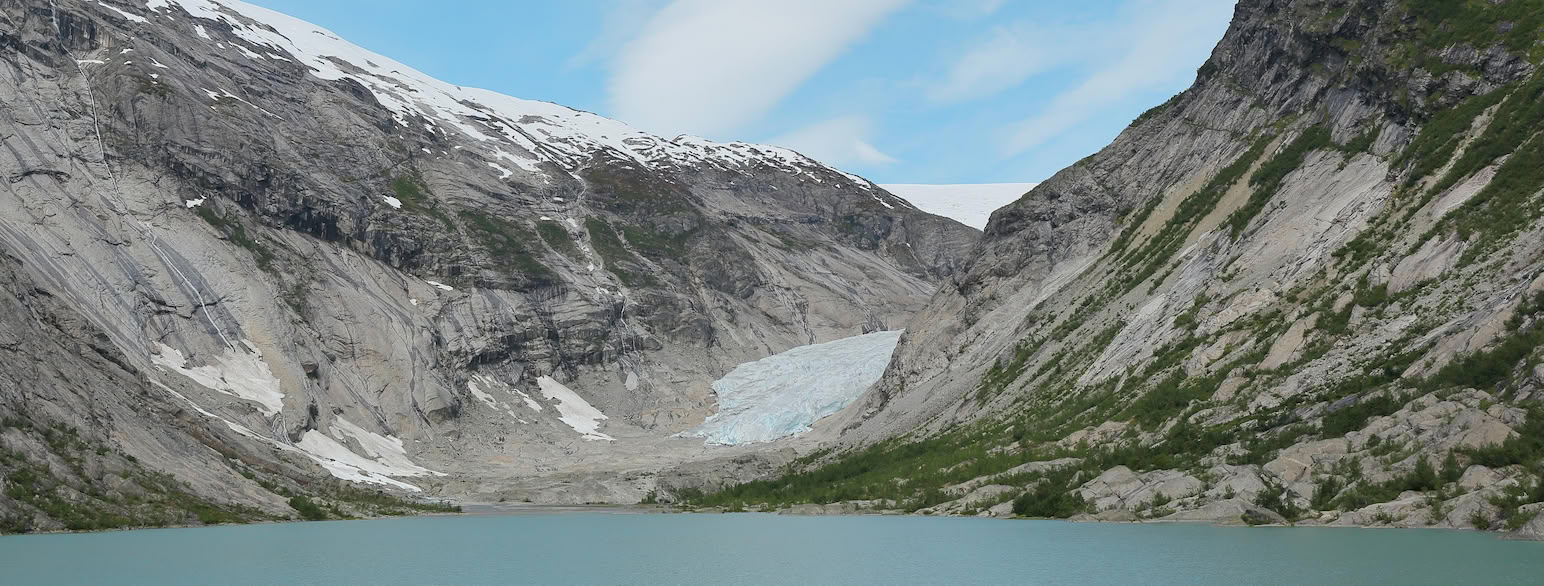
point(899, 91)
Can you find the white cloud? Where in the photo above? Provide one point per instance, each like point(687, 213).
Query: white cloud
point(621, 23)
point(972, 8)
point(1154, 43)
point(1005, 60)
point(709, 67)
point(1151, 43)
point(838, 141)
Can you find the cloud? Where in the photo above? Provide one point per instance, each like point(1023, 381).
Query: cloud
point(710, 67)
point(1154, 43)
point(1005, 60)
point(622, 21)
point(973, 8)
point(838, 141)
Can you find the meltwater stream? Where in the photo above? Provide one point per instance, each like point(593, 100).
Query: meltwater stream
point(592, 548)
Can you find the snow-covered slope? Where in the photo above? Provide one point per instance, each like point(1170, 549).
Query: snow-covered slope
point(516, 136)
point(971, 204)
point(783, 394)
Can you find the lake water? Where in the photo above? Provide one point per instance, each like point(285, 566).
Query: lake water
point(598, 548)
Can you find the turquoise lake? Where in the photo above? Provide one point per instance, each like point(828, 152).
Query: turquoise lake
point(600, 548)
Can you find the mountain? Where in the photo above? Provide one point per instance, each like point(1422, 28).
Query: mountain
point(1305, 289)
point(970, 204)
point(247, 261)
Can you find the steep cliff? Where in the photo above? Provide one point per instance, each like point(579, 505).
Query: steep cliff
point(285, 258)
point(1305, 288)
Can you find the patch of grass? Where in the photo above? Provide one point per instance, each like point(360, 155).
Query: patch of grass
point(1267, 179)
point(1443, 23)
point(237, 233)
point(511, 245)
point(1172, 395)
point(625, 189)
point(76, 497)
point(1488, 368)
point(1143, 263)
point(1526, 448)
point(604, 239)
point(1354, 417)
point(1439, 137)
point(307, 509)
point(415, 197)
point(656, 245)
point(558, 238)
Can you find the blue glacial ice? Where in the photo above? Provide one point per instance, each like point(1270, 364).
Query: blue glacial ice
point(783, 394)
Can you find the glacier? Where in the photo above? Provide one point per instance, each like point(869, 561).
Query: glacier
point(968, 204)
point(784, 394)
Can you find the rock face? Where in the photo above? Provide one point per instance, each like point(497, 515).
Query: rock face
point(1330, 242)
point(320, 258)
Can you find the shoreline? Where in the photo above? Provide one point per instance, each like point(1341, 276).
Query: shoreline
point(529, 509)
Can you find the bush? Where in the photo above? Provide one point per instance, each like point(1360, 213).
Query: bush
point(1049, 501)
point(1324, 493)
point(1275, 498)
point(307, 509)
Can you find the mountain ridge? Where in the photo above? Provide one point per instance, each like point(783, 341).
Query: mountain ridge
point(1291, 293)
point(319, 274)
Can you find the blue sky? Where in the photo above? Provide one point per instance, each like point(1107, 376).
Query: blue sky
point(900, 91)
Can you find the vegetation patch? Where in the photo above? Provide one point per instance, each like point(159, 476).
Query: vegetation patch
point(558, 238)
point(1488, 368)
point(237, 233)
point(512, 246)
point(613, 253)
point(73, 497)
point(1267, 179)
point(415, 198)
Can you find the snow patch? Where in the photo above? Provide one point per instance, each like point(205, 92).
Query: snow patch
point(784, 394)
point(239, 374)
point(193, 203)
point(440, 286)
point(395, 203)
point(477, 384)
point(343, 463)
point(125, 15)
point(574, 410)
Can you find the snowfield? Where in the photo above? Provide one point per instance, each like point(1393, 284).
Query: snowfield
point(784, 394)
point(969, 204)
point(573, 409)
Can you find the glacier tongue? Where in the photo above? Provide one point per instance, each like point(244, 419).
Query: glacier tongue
point(783, 394)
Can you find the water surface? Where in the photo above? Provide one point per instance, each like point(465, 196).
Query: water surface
point(601, 548)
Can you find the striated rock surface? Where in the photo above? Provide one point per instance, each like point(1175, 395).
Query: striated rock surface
point(1318, 267)
point(294, 259)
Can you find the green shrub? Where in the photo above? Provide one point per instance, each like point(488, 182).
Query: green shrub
point(1267, 179)
point(558, 238)
point(1354, 417)
point(613, 253)
point(307, 509)
point(1275, 498)
point(1488, 368)
point(511, 245)
point(1049, 501)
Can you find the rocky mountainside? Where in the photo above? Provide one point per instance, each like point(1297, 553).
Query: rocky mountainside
point(1307, 288)
point(244, 256)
